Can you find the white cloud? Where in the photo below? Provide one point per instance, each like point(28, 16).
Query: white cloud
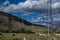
point(39, 18)
point(6, 2)
point(56, 5)
point(56, 19)
point(31, 6)
point(27, 6)
point(9, 8)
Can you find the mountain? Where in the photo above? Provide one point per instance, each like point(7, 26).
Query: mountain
point(15, 18)
point(9, 22)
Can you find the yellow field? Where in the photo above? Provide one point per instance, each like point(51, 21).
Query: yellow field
point(21, 36)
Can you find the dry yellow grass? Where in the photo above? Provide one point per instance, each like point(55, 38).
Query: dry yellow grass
point(20, 36)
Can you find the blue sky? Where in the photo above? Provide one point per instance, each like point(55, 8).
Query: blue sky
point(19, 14)
point(13, 1)
point(27, 9)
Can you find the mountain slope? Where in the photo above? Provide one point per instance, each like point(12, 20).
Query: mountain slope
point(10, 22)
point(15, 18)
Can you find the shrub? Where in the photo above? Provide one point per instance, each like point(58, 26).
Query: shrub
point(23, 30)
point(1, 34)
point(13, 34)
point(16, 39)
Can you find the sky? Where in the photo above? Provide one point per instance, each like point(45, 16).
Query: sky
point(32, 10)
point(13, 1)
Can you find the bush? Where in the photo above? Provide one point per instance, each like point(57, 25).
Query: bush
point(1, 34)
point(13, 34)
point(23, 30)
point(16, 39)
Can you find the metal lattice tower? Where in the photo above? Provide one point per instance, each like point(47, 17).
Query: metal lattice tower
point(49, 6)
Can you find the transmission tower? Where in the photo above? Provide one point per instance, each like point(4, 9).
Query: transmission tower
point(32, 22)
point(49, 6)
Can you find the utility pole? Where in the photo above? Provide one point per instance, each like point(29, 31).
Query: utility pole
point(49, 7)
point(32, 22)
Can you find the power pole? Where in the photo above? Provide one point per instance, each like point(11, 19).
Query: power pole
point(32, 22)
point(49, 6)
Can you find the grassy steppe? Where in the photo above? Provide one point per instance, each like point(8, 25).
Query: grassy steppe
point(10, 25)
point(20, 36)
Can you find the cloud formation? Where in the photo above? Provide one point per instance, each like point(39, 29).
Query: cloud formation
point(32, 6)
